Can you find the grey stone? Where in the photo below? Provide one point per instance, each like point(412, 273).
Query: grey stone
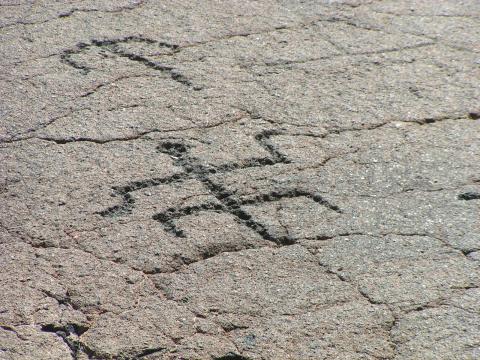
point(239, 179)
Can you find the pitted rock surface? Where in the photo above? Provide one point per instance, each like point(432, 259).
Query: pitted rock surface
point(240, 179)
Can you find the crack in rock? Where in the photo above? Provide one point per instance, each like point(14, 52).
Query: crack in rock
point(70, 334)
point(469, 195)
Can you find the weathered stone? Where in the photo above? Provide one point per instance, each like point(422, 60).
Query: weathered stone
point(239, 179)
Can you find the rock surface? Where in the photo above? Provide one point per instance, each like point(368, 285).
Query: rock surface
point(240, 179)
